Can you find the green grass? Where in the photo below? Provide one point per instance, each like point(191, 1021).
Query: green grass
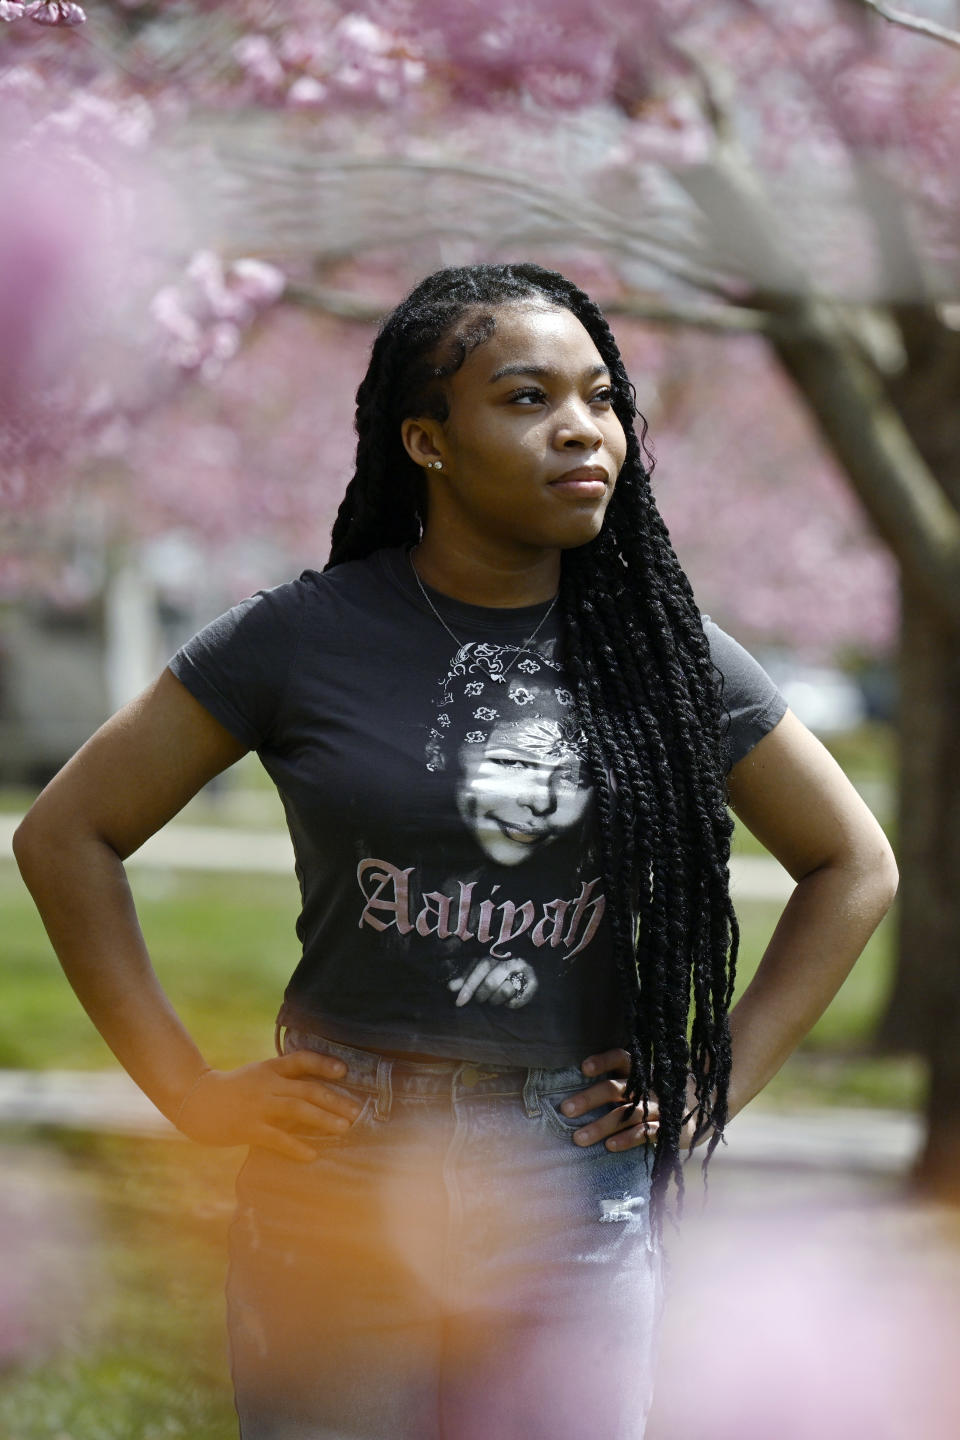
point(140, 1353)
point(868, 756)
point(15, 799)
point(848, 1023)
point(836, 1064)
point(224, 947)
point(868, 752)
point(244, 795)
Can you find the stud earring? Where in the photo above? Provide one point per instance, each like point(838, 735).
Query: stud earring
point(435, 464)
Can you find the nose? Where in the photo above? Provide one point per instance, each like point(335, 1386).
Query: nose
point(577, 428)
point(538, 797)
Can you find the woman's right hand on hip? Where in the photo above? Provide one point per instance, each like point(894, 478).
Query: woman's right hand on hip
point(275, 1104)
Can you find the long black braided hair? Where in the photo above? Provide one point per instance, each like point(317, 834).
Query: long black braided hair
point(645, 688)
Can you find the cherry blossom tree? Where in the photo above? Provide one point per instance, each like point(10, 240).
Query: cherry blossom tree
point(780, 180)
point(190, 329)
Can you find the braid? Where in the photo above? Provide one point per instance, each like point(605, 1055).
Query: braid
point(644, 684)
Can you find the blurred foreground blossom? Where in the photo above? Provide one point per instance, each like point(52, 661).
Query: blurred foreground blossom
point(85, 229)
point(44, 12)
point(101, 321)
point(316, 56)
point(201, 320)
point(810, 1323)
point(48, 1230)
point(63, 13)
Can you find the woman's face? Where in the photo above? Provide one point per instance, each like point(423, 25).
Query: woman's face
point(531, 447)
point(521, 789)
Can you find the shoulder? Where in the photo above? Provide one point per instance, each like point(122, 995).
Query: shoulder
point(283, 608)
point(751, 699)
point(238, 664)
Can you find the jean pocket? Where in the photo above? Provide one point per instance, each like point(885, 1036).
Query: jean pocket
point(362, 1120)
point(568, 1125)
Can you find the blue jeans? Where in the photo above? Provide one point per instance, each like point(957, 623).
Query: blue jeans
point(453, 1267)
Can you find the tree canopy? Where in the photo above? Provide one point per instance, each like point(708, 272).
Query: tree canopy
point(208, 195)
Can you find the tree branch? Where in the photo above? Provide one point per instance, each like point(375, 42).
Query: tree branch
point(914, 23)
point(285, 183)
point(340, 303)
point(903, 498)
point(721, 319)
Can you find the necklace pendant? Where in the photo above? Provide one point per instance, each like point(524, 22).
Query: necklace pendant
point(500, 679)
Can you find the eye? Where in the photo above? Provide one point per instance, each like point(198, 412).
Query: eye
point(531, 394)
point(602, 397)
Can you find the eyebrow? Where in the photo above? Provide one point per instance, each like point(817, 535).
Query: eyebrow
point(545, 753)
point(544, 372)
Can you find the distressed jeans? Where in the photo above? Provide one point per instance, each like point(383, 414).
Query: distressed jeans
point(453, 1267)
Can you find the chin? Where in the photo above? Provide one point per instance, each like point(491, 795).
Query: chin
point(580, 531)
point(507, 852)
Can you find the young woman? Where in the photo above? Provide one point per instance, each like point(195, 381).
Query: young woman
point(505, 739)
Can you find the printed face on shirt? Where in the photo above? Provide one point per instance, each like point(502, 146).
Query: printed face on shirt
point(521, 788)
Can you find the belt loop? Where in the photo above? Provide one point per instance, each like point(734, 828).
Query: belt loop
point(384, 1089)
point(531, 1099)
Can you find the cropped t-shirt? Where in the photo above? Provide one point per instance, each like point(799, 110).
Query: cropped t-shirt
point(440, 809)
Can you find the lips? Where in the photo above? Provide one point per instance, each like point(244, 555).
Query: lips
point(520, 835)
point(584, 472)
point(588, 482)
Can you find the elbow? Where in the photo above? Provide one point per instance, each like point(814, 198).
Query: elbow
point(50, 837)
point(890, 875)
point(22, 840)
point(38, 838)
point(27, 845)
point(868, 870)
point(879, 873)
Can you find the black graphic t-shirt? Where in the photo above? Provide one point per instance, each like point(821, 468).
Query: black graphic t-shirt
point(439, 806)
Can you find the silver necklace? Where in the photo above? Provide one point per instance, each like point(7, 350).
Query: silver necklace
point(502, 676)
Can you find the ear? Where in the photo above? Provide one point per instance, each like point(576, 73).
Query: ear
point(423, 441)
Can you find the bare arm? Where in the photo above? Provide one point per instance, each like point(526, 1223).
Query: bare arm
point(791, 793)
point(129, 779)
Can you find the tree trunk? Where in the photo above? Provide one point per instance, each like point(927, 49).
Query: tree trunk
point(924, 1009)
point(923, 1014)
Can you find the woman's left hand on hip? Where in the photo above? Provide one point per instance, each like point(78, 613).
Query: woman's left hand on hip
point(620, 1128)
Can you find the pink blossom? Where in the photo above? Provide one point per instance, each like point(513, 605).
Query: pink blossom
point(256, 281)
point(777, 547)
point(357, 33)
point(169, 310)
point(259, 59)
point(594, 101)
point(222, 342)
point(303, 49)
point(55, 12)
point(306, 92)
point(129, 123)
point(842, 1323)
point(49, 1230)
point(210, 293)
point(200, 320)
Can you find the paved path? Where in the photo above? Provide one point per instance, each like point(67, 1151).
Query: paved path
point(215, 848)
point(880, 1142)
point(867, 1141)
